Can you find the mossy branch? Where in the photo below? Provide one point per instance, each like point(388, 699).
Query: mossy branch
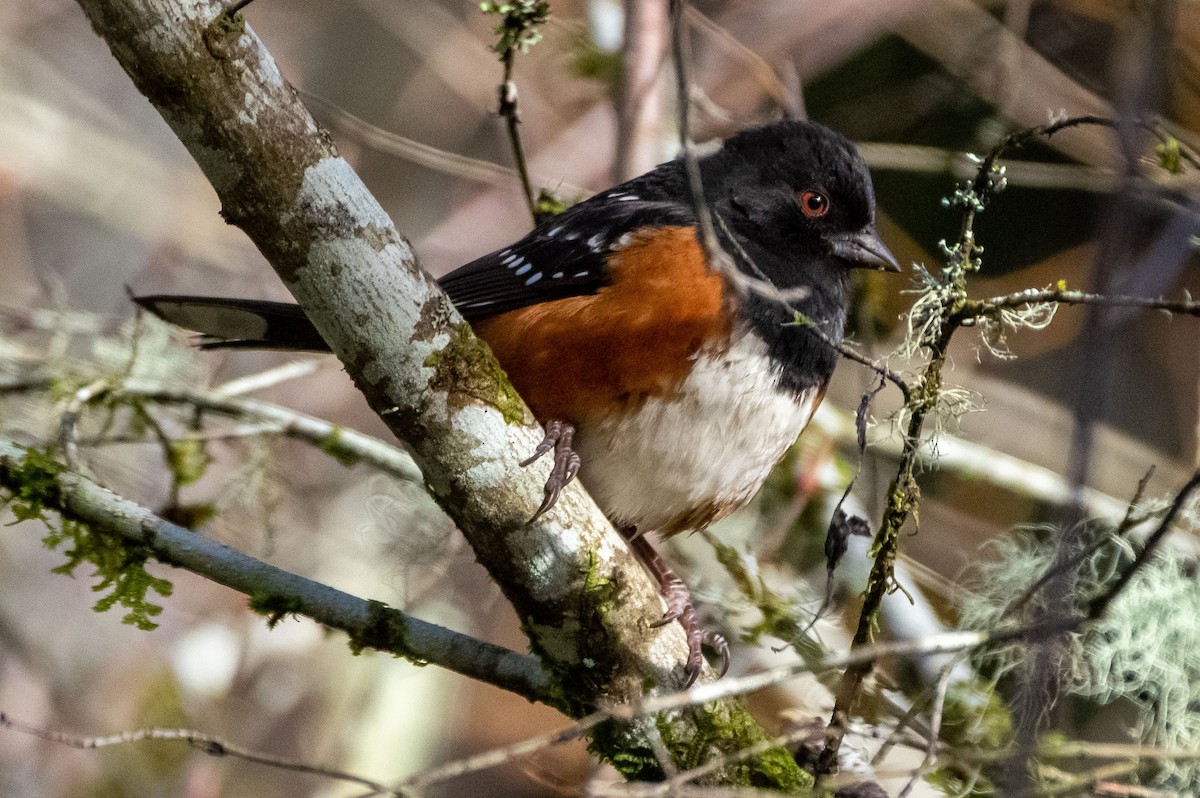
point(128, 534)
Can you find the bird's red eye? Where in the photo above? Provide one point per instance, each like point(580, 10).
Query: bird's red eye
point(814, 203)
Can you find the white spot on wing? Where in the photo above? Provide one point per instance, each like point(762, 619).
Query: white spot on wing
point(523, 269)
point(534, 279)
point(556, 275)
point(552, 232)
point(596, 242)
point(510, 259)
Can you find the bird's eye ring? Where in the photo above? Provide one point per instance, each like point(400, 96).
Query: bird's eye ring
point(814, 204)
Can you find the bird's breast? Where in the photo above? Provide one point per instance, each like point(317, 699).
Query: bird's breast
point(682, 460)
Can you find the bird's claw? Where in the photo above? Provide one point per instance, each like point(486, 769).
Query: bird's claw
point(679, 608)
point(559, 436)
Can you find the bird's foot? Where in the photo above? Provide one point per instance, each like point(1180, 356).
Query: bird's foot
point(559, 435)
point(680, 608)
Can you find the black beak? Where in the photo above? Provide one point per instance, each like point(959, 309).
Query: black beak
point(865, 250)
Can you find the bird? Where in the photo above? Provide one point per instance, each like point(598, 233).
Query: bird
point(669, 382)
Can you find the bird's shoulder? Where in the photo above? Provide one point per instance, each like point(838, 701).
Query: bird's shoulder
point(569, 255)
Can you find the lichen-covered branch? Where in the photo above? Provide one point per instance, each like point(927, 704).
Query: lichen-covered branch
point(1060, 294)
point(580, 594)
point(943, 308)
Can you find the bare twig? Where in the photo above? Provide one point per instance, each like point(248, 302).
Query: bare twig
point(935, 727)
point(1100, 603)
point(518, 31)
point(70, 419)
point(207, 743)
point(261, 380)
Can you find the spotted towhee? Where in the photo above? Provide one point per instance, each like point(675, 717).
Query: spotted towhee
point(673, 385)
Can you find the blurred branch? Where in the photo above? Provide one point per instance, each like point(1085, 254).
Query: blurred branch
point(207, 743)
point(389, 143)
point(980, 464)
point(639, 98)
point(1030, 174)
point(272, 590)
point(755, 64)
point(343, 444)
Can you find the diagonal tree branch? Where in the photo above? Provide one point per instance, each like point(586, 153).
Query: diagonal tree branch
point(583, 599)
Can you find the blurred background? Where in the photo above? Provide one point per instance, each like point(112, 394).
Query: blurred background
point(97, 197)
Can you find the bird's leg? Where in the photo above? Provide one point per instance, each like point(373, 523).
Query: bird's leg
point(559, 435)
point(679, 608)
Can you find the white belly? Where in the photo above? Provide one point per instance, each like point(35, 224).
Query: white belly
point(709, 446)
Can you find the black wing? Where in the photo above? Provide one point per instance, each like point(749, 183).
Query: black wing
point(563, 257)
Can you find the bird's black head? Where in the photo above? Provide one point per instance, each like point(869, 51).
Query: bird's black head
point(796, 207)
point(797, 196)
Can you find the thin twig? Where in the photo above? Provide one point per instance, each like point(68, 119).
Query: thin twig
point(209, 744)
point(976, 308)
point(261, 380)
point(340, 442)
point(1099, 604)
point(1128, 522)
point(903, 494)
point(935, 726)
point(518, 31)
point(451, 163)
point(69, 420)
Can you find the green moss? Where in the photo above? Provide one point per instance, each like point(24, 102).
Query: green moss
point(386, 629)
point(468, 372)
point(36, 479)
point(119, 563)
point(578, 684)
point(518, 29)
point(228, 24)
point(628, 752)
point(188, 459)
point(274, 607)
point(693, 738)
point(331, 444)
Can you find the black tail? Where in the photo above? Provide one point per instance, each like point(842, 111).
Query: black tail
point(233, 323)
